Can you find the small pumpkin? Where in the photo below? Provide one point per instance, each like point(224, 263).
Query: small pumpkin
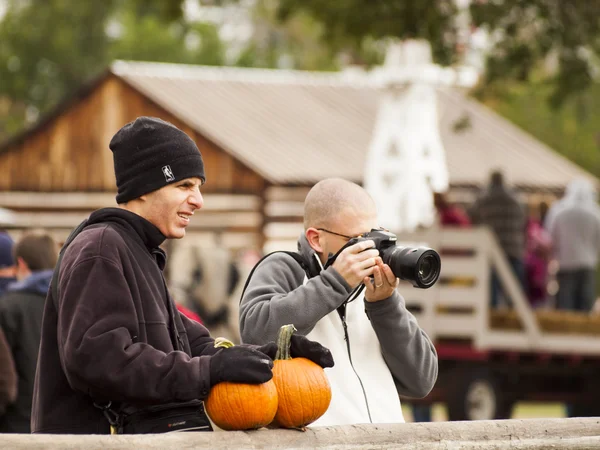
point(303, 388)
point(240, 406)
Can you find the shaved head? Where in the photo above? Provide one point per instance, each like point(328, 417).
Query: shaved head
point(330, 198)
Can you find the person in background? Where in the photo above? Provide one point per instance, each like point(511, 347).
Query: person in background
point(544, 208)
point(572, 192)
point(21, 310)
point(7, 262)
point(499, 209)
point(537, 257)
point(8, 373)
point(574, 227)
point(203, 282)
point(8, 376)
point(188, 312)
point(450, 215)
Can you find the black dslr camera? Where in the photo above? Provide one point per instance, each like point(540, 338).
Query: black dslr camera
point(421, 266)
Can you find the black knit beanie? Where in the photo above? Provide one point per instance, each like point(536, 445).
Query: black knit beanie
point(150, 153)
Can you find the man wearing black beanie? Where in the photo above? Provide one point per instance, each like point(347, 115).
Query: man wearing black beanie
point(113, 342)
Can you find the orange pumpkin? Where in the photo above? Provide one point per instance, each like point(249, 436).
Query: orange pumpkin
point(239, 406)
point(303, 388)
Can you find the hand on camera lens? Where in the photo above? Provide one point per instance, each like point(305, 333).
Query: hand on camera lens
point(240, 364)
point(382, 285)
point(357, 262)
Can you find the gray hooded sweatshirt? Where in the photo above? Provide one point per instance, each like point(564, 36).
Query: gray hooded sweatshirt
point(378, 348)
point(574, 225)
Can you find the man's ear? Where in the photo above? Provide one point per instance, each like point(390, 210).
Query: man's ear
point(21, 264)
point(313, 237)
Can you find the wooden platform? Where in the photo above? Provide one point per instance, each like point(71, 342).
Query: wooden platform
point(550, 321)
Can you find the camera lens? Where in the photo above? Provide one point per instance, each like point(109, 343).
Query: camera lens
point(428, 269)
point(421, 266)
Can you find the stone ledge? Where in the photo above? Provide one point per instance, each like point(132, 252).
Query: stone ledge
point(575, 433)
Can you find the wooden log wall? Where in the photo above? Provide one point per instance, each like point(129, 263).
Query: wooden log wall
point(69, 153)
point(283, 212)
point(62, 170)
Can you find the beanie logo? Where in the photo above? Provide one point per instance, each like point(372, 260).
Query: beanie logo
point(168, 173)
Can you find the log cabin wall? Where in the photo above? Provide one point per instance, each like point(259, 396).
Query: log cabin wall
point(60, 171)
point(283, 213)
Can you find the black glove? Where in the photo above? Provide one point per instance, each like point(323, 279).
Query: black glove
point(300, 346)
point(269, 349)
point(240, 364)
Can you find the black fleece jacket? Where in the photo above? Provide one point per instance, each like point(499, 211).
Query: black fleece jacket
point(108, 336)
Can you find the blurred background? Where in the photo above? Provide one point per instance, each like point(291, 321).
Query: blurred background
point(420, 101)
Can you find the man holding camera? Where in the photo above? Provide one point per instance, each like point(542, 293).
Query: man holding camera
point(344, 297)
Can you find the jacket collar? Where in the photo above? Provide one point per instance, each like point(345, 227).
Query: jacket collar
point(141, 229)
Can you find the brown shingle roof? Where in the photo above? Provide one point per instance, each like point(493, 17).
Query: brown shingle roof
point(297, 127)
point(289, 127)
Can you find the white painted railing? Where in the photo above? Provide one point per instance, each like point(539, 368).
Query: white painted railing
point(458, 306)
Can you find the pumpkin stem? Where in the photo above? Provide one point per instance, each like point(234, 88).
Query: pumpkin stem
point(283, 341)
point(222, 342)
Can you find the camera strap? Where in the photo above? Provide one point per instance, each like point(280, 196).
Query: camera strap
point(299, 259)
point(355, 293)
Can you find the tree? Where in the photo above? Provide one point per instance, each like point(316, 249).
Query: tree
point(156, 37)
point(298, 41)
point(49, 47)
point(523, 33)
point(46, 48)
point(349, 23)
point(527, 32)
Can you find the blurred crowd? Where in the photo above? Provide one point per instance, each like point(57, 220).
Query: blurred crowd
point(552, 249)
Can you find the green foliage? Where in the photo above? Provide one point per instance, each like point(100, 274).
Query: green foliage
point(148, 37)
point(347, 23)
point(572, 131)
point(297, 43)
point(524, 33)
point(49, 47)
point(527, 32)
point(166, 11)
point(46, 48)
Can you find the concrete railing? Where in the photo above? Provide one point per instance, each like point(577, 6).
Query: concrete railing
point(570, 434)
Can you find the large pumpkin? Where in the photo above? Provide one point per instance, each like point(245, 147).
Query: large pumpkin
point(303, 389)
point(239, 406)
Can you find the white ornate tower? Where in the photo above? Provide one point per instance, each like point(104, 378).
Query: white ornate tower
point(406, 161)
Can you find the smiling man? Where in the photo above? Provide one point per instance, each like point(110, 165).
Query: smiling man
point(112, 335)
